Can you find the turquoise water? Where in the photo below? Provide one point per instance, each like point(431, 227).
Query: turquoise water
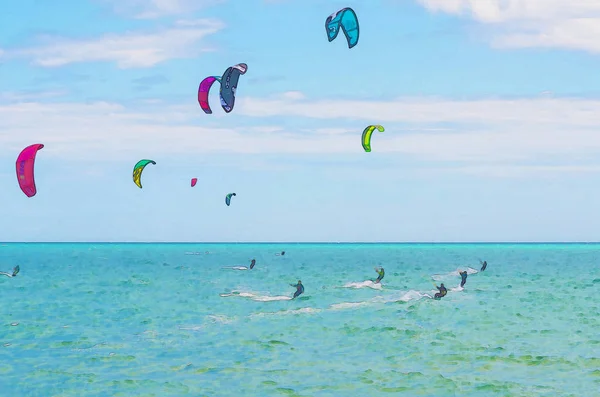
point(151, 320)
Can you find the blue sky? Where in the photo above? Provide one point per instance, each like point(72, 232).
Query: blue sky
point(491, 110)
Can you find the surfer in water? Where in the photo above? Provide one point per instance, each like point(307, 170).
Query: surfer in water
point(484, 265)
point(14, 272)
point(463, 275)
point(299, 289)
point(282, 254)
point(252, 263)
point(442, 293)
point(381, 273)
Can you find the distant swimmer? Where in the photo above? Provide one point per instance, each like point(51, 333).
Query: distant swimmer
point(381, 273)
point(442, 293)
point(463, 275)
point(484, 265)
point(14, 273)
point(252, 263)
point(299, 289)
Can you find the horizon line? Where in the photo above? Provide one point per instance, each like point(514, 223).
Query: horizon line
point(302, 242)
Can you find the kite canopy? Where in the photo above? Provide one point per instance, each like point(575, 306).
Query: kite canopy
point(228, 198)
point(345, 19)
point(194, 181)
point(25, 166)
point(366, 136)
point(229, 82)
point(203, 91)
point(137, 171)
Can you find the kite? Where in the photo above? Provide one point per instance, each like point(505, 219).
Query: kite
point(229, 82)
point(203, 91)
point(346, 20)
point(366, 136)
point(228, 198)
point(25, 164)
point(194, 180)
point(137, 171)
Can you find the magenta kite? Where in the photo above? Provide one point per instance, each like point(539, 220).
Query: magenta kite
point(25, 166)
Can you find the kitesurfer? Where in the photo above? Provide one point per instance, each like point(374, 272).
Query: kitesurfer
point(463, 275)
point(299, 289)
point(442, 293)
point(484, 263)
point(252, 263)
point(381, 273)
point(281, 254)
point(14, 272)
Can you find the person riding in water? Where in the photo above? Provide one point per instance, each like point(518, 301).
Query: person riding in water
point(299, 289)
point(252, 263)
point(463, 275)
point(442, 293)
point(484, 265)
point(381, 273)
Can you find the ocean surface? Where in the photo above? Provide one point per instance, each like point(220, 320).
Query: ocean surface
point(191, 320)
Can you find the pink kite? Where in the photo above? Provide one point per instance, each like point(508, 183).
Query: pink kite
point(25, 163)
point(194, 180)
point(203, 91)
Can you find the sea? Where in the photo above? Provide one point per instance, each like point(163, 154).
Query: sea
point(193, 320)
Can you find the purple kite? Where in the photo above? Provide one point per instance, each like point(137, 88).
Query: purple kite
point(194, 180)
point(25, 163)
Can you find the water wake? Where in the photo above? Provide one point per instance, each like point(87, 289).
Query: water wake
point(364, 284)
point(259, 298)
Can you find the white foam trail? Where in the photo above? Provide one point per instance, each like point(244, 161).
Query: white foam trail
point(412, 295)
point(364, 284)
point(235, 267)
point(221, 319)
point(191, 327)
point(347, 305)
point(259, 298)
point(408, 296)
point(455, 273)
point(193, 253)
point(304, 310)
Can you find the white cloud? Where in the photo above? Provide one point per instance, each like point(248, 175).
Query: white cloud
point(293, 95)
point(572, 24)
point(536, 131)
point(512, 171)
point(130, 50)
point(543, 110)
point(330, 131)
point(9, 96)
point(149, 9)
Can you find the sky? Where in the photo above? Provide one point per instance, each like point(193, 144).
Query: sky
point(491, 111)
